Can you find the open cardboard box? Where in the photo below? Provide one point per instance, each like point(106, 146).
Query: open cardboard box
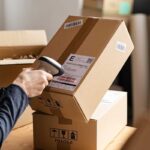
point(92, 51)
point(14, 45)
point(109, 118)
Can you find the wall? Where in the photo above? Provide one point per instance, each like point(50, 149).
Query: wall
point(1, 14)
point(39, 14)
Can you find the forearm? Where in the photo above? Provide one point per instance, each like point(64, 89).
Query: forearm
point(13, 102)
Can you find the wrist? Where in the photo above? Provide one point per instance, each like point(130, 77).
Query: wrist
point(21, 84)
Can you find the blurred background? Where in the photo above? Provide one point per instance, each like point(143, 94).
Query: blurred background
point(49, 15)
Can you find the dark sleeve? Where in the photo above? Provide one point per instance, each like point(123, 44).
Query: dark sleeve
point(13, 102)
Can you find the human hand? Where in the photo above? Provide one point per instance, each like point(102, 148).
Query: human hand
point(32, 81)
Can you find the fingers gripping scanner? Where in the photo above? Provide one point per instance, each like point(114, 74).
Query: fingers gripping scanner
point(50, 65)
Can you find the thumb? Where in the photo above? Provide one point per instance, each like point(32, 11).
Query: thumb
point(48, 76)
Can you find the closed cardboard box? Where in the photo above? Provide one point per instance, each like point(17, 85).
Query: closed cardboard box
point(14, 46)
point(92, 51)
point(109, 118)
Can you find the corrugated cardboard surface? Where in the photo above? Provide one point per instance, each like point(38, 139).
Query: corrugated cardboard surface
point(107, 121)
point(105, 40)
point(15, 44)
point(23, 42)
point(25, 118)
point(9, 72)
point(140, 139)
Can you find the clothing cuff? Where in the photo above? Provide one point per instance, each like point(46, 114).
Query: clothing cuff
point(20, 88)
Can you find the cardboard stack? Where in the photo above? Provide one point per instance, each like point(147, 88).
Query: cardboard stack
point(92, 51)
point(106, 122)
point(14, 46)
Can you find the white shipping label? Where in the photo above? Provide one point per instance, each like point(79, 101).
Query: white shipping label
point(73, 24)
point(75, 68)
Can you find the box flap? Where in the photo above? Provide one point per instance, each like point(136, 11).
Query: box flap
point(25, 42)
point(109, 99)
point(16, 61)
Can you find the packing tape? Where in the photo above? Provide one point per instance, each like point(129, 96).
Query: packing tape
point(78, 39)
point(64, 146)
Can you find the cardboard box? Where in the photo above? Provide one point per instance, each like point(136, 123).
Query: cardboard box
point(92, 51)
point(117, 7)
point(23, 42)
point(25, 118)
point(93, 4)
point(13, 45)
point(108, 120)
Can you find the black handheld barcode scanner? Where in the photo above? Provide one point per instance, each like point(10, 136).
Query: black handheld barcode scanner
point(50, 65)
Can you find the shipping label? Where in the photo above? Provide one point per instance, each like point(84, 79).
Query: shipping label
point(73, 24)
point(75, 68)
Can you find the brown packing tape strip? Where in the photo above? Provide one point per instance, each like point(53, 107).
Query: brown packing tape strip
point(63, 146)
point(61, 118)
point(72, 48)
point(57, 111)
point(78, 39)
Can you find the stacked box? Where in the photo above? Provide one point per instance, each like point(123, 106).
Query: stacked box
point(92, 51)
point(17, 51)
point(107, 121)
